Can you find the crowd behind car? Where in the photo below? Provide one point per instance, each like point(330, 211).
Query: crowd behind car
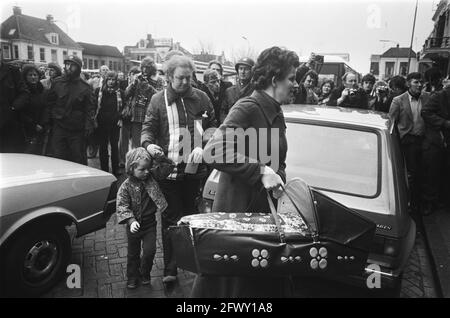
point(67, 114)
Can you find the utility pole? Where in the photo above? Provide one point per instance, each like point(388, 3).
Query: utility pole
point(412, 37)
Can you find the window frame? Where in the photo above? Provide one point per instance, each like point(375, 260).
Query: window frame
point(347, 127)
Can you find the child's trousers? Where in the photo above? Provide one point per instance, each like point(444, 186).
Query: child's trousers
point(134, 259)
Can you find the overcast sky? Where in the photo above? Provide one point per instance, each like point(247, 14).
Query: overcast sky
point(351, 26)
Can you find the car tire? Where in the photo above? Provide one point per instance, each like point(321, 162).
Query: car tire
point(35, 261)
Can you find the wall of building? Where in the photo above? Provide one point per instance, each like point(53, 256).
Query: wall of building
point(113, 63)
point(23, 52)
point(396, 71)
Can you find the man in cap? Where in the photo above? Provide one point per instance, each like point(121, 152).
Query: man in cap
point(243, 86)
point(72, 109)
point(139, 92)
point(54, 71)
point(223, 85)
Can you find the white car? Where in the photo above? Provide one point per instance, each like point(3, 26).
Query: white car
point(40, 196)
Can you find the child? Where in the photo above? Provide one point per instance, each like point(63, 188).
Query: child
point(138, 199)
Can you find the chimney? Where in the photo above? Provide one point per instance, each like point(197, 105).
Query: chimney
point(49, 18)
point(17, 10)
point(398, 45)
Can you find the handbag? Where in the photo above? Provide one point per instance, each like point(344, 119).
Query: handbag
point(308, 234)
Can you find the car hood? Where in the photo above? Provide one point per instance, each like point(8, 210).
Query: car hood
point(20, 169)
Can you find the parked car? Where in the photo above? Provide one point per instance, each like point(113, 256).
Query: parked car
point(352, 156)
point(40, 197)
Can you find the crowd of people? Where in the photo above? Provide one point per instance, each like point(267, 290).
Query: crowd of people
point(67, 115)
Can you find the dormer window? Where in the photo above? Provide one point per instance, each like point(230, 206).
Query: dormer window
point(53, 38)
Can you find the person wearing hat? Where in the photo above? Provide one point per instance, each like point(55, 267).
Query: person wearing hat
point(243, 87)
point(72, 111)
point(109, 100)
point(32, 113)
point(140, 90)
point(223, 85)
point(54, 71)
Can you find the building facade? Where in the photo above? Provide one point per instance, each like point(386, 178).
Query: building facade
point(393, 62)
point(153, 47)
point(437, 45)
point(40, 41)
point(95, 56)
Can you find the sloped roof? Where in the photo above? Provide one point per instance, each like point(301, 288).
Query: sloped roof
point(398, 52)
point(34, 29)
point(102, 50)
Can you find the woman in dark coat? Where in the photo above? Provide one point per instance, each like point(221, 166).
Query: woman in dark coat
point(33, 113)
point(109, 106)
point(241, 186)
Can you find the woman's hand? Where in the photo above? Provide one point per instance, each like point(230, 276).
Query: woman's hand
point(272, 181)
point(134, 227)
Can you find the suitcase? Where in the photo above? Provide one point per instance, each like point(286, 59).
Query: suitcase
point(308, 234)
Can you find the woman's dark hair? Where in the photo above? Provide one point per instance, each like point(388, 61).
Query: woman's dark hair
point(327, 81)
point(273, 62)
point(313, 75)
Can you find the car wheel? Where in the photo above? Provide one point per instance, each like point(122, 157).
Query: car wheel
point(36, 260)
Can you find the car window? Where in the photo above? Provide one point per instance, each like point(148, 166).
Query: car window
point(334, 159)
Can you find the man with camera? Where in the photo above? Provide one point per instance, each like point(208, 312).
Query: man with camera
point(349, 95)
point(141, 87)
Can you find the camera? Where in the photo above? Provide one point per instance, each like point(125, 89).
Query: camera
point(352, 91)
point(318, 59)
point(382, 90)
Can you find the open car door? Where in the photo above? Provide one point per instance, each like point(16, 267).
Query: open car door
point(319, 237)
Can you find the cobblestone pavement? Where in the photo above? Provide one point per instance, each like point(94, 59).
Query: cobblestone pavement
point(102, 259)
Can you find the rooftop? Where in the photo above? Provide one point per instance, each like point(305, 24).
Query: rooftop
point(101, 50)
point(399, 52)
point(24, 27)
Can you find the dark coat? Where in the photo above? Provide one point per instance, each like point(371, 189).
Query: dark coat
point(109, 111)
point(71, 103)
point(240, 189)
point(436, 114)
point(360, 99)
point(33, 111)
point(232, 95)
point(240, 186)
point(13, 94)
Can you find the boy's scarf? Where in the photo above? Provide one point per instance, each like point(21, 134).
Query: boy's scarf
point(99, 101)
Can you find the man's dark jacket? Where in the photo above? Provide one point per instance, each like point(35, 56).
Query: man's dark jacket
point(436, 114)
point(71, 103)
